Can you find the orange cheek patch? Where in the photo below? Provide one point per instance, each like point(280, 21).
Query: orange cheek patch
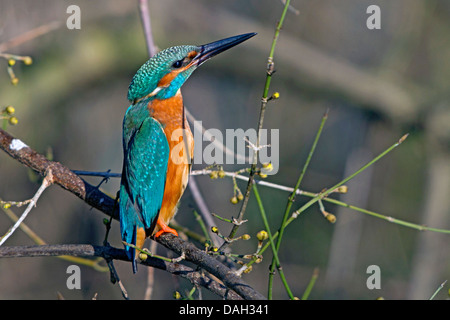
point(167, 79)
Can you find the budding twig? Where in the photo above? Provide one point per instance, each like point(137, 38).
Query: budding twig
point(48, 180)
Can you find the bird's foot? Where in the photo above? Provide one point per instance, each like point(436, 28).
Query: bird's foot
point(164, 229)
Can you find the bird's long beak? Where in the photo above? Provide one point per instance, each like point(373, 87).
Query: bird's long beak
point(209, 50)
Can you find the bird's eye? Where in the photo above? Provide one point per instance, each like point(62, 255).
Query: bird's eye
point(177, 64)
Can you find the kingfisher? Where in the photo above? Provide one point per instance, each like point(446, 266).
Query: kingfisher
point(158, 144)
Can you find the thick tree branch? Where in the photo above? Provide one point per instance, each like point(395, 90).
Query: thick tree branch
point(86, 250)
point(62, 176)
point(193, 254)
point(68, 180)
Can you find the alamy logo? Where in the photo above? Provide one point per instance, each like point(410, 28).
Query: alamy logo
point(374, 280)
point(374, 20)
point(74, 280)
point(235, 147)
point(74, 20)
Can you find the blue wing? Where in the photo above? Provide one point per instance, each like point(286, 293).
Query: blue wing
point(146, 154)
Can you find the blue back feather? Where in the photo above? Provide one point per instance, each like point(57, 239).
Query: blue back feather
point(146, 153)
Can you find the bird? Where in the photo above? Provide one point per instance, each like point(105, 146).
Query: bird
point(158, 144)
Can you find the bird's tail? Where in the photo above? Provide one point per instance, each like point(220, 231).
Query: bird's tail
point(132, 251)
point(137, 240)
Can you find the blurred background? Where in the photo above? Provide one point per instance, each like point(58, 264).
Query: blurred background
point(376, 84)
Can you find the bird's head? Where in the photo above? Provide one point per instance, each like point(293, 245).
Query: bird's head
point(164, 74)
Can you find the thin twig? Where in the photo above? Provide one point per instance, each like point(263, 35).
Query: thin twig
point(200, 172)
point(386, 218)
point(29, 35)
point(146, 23)
point(324, 194)
point(115, 278)
point(275, 259)
point(48, 180)
point(204, 210)
point(291, 8)
point(438, 289)
point(264, 101)
point(292, 198)
point(206, 230)
point(229, 278)
point(311, 283)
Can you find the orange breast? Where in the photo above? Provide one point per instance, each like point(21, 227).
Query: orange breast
point(169, 113)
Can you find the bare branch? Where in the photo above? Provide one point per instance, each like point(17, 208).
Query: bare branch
point(110, 253)
point(193, 254)
point(146, 23)
point(62, 176)
point(29, 35)
point(200, 172)
point(45, 184)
